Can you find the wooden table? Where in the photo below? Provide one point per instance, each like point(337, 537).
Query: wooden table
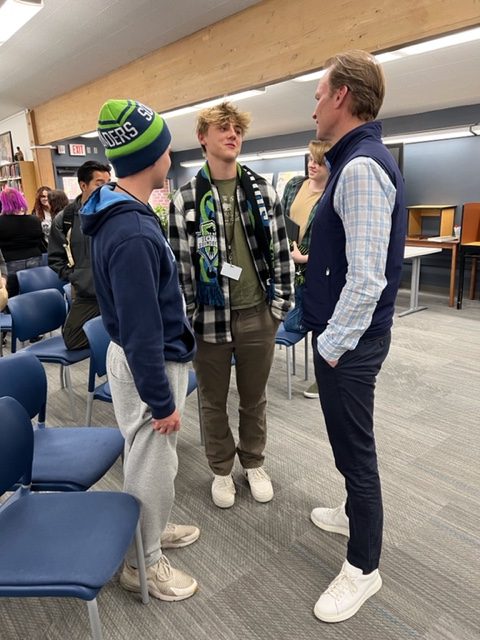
point(450, 245)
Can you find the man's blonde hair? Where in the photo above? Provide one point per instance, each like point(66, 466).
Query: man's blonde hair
point(361, 73)
point(221, 114)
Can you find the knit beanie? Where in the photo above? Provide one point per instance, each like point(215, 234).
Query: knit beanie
point(134, 136)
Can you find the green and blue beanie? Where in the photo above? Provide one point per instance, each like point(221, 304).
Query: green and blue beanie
point(134, 136)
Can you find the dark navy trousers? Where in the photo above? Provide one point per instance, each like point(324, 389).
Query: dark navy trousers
point(347, 398)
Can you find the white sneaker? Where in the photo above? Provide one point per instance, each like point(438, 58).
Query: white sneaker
point(334, 520)
point(346, 594)
point(164, 582)
point(223, 491)
point(260, 484)
point(176, 536)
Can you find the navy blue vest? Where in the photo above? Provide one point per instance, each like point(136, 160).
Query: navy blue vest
point(327, 263)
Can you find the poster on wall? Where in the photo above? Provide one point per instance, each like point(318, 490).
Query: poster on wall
point(268, 177)
point(6, 148)
point(70, 186)
point(282, 179)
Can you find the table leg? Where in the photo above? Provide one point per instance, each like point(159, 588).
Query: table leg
point(461, 277)
point(453, 271)
point(473, 278)
point(414, 286)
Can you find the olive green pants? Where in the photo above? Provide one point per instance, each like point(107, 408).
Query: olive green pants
point(252, 348)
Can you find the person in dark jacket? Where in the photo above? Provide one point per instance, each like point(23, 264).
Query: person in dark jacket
point(142, 307)
point(352, 278)
point(69, 255)
point(21, 236)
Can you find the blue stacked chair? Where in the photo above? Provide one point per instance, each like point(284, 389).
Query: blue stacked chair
point(58, 544)
point(65, 458)
point(38, 278)
point(40, 312)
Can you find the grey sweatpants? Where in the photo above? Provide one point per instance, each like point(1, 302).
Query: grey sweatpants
point(151, 463)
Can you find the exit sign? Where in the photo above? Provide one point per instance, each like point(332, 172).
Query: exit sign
point(77, 149)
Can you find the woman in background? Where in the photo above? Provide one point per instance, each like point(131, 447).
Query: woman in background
point(21, 237)
point(41, 209)
point(58, 200)
point(299, 202)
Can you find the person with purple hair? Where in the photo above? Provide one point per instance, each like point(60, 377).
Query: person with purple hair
point(21, 236)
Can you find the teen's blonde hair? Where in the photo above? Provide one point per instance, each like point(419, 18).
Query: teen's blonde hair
point(318, 149)
point(220, 114)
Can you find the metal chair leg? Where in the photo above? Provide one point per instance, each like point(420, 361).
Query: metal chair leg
point(88, 416)
point(200, 423)
point(70, 393)
point(294, 361)
point(62, 377)
point(306, 355)
point(289, 373)
point(94, 619)
point(142, 572)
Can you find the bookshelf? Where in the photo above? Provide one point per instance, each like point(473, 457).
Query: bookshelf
point(426, 220)
point(21, 176)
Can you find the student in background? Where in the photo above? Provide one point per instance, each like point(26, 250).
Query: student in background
point(21, 237)
point(69, 255)
point(41, 206)
point(299, 202)
point(227, 231)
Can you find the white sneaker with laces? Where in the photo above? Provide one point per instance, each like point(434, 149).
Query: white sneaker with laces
point(346, 594)
point(260, 484)
point(334, 520)
point(176, 536)
point(223, 491)
point(164, 582)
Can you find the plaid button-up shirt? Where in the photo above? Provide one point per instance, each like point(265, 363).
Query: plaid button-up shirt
point(212, 324)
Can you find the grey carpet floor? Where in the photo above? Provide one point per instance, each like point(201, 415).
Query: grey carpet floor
point(262, 567)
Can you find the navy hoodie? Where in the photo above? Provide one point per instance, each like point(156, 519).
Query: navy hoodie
point(138, 291)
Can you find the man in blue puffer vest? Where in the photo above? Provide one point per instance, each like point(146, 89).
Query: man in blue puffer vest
point(353, 274)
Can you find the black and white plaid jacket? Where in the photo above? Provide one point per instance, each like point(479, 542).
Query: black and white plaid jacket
point(212, 324)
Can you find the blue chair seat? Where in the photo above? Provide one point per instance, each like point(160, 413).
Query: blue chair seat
point(64, 458)
point(288, 338)
point(54, 350)
point(75, 468)
point(78, 536)
point(103, 393)
point(5, 322)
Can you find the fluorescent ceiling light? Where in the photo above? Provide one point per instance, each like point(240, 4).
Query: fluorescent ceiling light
point(249, 157)
point(429, 136)
point(235, 97)
point(91, 134)
point(442, 42)
point(316, 75)
point(14, 14)
point(430, 45)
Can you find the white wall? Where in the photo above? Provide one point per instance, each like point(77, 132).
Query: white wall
point(17, 125)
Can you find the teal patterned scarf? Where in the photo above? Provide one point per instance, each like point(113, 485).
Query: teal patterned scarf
point(209, 290)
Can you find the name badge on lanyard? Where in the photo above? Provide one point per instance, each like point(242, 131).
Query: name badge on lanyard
point(231, 271)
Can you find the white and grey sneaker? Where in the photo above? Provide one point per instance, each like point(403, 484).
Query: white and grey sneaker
point(260, 484)
point(334, 520)
point(346, 594)
point(223, 491)
point(164, 582)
